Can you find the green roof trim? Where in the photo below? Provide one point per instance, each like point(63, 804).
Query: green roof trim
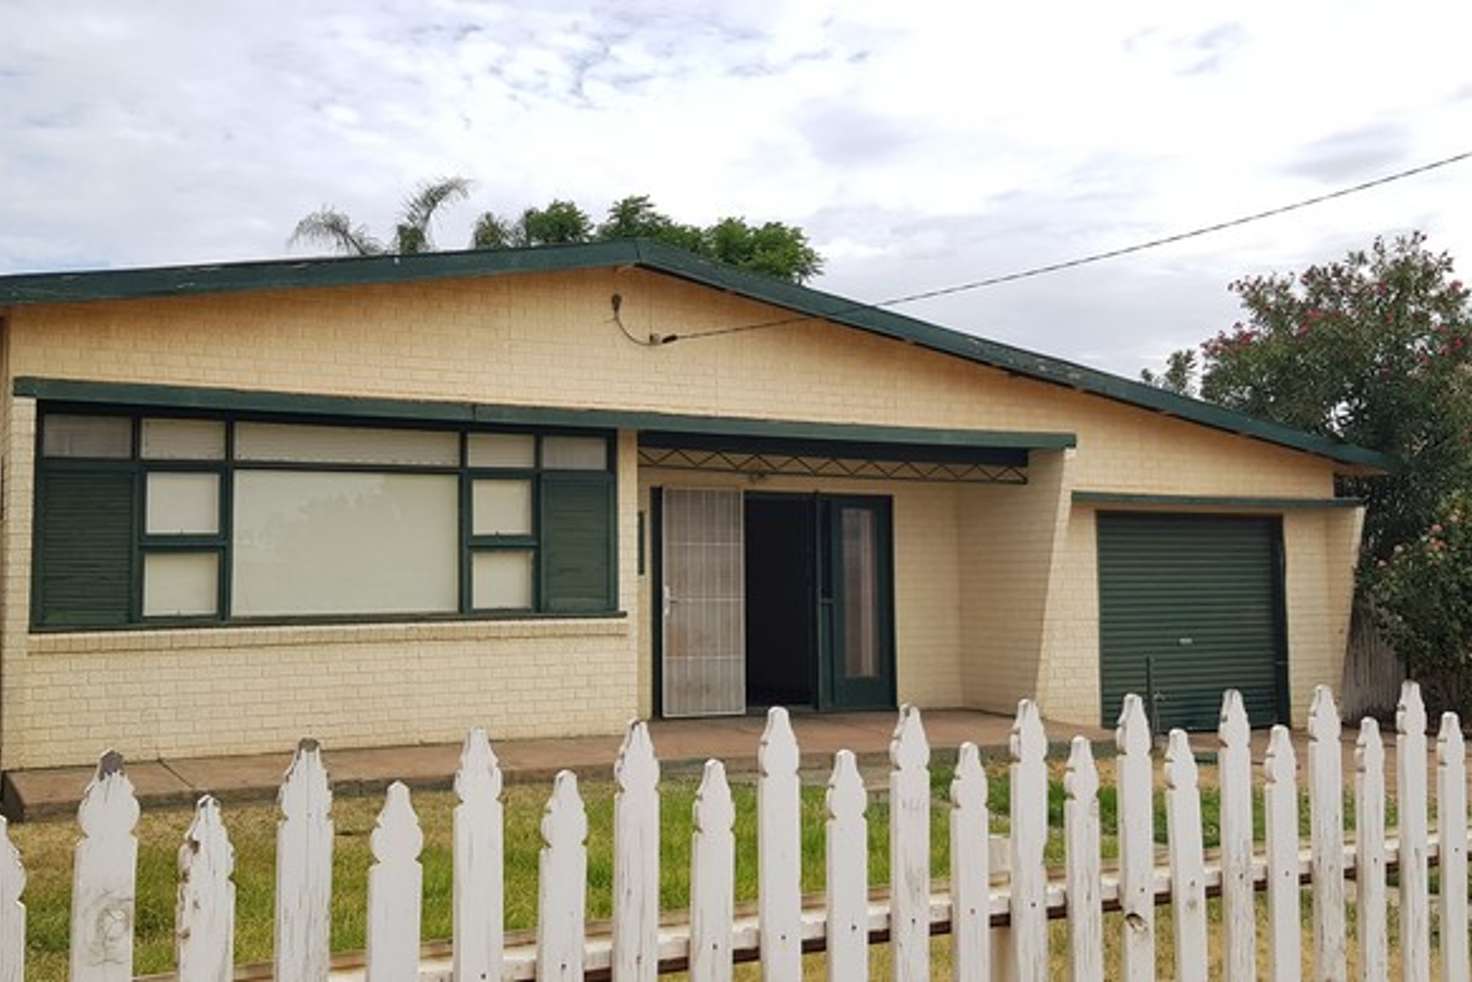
point(74, 287)
point(1210, 501)
point(204, 399)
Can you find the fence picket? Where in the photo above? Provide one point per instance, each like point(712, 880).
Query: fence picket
point(712, 877)
point(1029, 836)
point(1234, 774)
point(1187, 862)
point(909, 848)
point(1410, 800)
point(12, 910)
point(636, 858)
point(1369, 864)
point(204, 920)
point(847, 857)
point(779, 849)
point(395, 890)
point(1326, 836)
point(1081, 829)
point(1280, 813)
point(304, 869)
point(478, 898)
point(562, 882)
point(1451, 826)
point(1136, 841)
point(970, 869)
point(104, 875)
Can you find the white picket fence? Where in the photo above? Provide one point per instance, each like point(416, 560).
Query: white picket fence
point(998, 926)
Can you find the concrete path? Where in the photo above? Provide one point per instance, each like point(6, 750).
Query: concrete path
point(682, 745)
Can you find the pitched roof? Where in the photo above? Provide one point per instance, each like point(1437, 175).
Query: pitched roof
point(278, 274)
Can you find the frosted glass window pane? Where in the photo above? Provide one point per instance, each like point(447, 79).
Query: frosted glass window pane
point(501, 507)
point(183, 504)
point(87, 436)
point(313, 542)
point(502, 450)
point(180, 584)
point(575, 453)
point(501, 580)
point(346, 445)
point(183, 439)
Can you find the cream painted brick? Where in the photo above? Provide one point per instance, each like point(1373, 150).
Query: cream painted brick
point(995, 590)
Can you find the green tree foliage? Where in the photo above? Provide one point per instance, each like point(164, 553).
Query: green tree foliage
point(1179, 375)
point(1375, 349)
point(1423, 591)
point(330, 227)
point(773, 248)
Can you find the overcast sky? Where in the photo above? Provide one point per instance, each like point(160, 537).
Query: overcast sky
point(919, 143)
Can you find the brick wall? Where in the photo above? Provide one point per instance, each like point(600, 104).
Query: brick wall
point(980, 616)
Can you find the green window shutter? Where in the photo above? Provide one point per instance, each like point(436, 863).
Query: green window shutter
point(86, 548)
point(577, 542)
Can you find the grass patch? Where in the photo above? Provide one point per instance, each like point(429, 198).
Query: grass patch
point(46, 849)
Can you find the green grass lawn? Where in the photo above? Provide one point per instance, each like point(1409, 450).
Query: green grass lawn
point(46, 849)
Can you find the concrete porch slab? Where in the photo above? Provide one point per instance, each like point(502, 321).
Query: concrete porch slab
point(682, 745)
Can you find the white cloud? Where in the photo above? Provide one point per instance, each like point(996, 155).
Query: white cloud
point(921, 143)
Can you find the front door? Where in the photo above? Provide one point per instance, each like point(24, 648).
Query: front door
point(855, 603)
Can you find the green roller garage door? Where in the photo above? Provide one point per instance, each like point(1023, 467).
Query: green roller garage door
point(1193, 604)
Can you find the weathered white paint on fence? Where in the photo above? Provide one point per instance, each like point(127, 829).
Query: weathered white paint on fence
point(1187, 860)
point(779, 849)
point(712, 877)
point(1234, 776)
point(970, 869)
point(1135, 778)
point(1326, 836)
point(562, 880)
point(1081, 832)
point(846, 848)
point(395, 890)
point(478, 902)
point(1029, 837)
point(1410, 800)
point(12, 911)
point(1369, 865)
point(304, 869)
point(1280, 812)
point(850, 918)
point(636, 858)
point(103, 877)
point(1451, 827)
point(909, 848)
point(204, 920)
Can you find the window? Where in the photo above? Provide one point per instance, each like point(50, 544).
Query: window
point(165, 520)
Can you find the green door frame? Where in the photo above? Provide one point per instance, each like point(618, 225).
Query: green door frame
point(835, 692)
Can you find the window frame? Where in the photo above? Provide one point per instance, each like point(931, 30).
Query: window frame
point(220, 543)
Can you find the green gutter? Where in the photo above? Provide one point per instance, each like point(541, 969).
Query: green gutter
point(316, 273)
point(1126, 499)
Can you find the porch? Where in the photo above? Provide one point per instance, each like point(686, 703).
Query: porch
point(683, 747)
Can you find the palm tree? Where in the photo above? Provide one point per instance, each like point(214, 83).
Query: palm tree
point(333, 228)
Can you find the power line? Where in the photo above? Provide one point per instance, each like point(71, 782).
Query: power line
point(655, 340)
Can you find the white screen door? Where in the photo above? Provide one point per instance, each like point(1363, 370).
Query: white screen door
point(704, 562)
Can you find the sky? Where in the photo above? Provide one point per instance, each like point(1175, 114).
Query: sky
point(920, 144)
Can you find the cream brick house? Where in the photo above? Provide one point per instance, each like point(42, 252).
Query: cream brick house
point(382, 500)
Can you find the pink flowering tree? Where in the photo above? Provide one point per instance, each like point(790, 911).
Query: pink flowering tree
point(1423, 591)
point(1375, 349)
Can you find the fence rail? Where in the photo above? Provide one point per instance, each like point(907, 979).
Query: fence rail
point(997, 925)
